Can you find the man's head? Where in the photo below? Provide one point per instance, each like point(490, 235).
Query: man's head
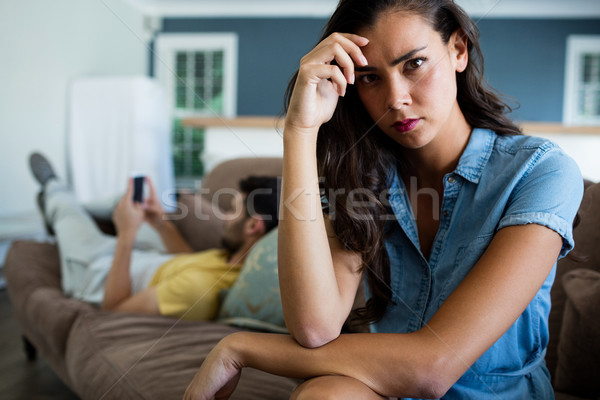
point(254, 212)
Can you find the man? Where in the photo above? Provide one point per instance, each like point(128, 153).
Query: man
point(112, 272)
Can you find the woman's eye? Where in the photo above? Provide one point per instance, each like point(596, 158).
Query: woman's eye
point(368, 78)
point(415, 63)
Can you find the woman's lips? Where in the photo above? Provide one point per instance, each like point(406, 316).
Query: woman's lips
point(406, 125)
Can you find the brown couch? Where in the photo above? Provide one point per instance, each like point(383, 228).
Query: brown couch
point(121, 356)
point(126, 356)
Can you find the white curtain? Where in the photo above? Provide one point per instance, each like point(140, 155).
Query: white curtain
point(117, 125)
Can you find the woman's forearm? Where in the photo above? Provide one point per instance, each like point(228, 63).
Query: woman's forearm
point(390, 364)
point(305, 263)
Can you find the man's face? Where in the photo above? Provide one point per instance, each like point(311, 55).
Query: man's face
point(233, 236)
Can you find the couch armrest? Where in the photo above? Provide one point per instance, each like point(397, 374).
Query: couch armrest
point(45, 315)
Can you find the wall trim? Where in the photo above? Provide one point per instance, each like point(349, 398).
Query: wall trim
point(520, 9)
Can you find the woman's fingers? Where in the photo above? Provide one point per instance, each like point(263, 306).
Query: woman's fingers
point(348, 52)
point(342, 48)
point(323, 75)
point(321, 72)
point(349, 42)
point(359, 40)
point(344, 61)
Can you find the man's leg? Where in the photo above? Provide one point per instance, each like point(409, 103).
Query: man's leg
point(86, 253)
point(80, 241)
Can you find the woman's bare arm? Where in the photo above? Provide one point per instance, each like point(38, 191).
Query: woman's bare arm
point(318, 278)
point(425, 363)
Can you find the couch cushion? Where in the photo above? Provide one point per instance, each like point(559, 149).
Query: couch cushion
point(579, 347)
point(566, 396)
point(586, 254)
point(127, 356)
point(29, 265)
point(32, 273)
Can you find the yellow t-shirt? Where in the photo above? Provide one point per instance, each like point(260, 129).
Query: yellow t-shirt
point(188, 285)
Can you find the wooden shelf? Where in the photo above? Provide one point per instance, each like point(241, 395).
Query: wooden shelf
point(239, 122)
point(558, 128)
point(277, 122)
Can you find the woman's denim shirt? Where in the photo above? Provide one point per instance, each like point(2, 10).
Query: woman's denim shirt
point(499, 181)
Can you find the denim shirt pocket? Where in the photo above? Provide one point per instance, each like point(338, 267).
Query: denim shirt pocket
point(466, 257)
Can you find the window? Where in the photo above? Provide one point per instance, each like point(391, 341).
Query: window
point(582, 81)
point(198, 72)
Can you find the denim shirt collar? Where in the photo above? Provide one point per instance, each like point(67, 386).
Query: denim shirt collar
point(470, 166)
point(476, 155)
point(471, 163)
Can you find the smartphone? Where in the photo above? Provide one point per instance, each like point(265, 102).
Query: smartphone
point(138, 187)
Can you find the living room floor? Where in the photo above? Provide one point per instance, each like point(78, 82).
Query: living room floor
point(21, 379)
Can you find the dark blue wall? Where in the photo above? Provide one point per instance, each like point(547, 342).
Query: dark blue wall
point(269, 51)
point(524, 59)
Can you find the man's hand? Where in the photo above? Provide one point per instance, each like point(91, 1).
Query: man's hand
point(153, 211)
point(128, 216)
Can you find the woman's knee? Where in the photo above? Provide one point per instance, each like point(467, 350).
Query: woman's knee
point(316, 388)
point(333, 388)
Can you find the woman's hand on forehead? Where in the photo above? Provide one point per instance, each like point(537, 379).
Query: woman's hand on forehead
point(344, 49)
point(323, 76)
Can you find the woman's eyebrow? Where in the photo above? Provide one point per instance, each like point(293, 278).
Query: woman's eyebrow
point(393, 63)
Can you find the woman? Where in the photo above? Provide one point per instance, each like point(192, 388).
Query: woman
point(455, 219)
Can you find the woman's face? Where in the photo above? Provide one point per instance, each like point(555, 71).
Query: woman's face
point(409, 86)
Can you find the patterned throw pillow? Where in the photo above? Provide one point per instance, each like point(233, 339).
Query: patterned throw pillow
point(254, 301)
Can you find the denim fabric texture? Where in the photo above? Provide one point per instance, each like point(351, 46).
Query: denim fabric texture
point(500, 181)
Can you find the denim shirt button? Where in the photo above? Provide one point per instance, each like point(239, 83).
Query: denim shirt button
point(445, 213)
point(451, 179)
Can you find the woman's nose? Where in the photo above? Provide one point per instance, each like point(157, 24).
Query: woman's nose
point(398, 94)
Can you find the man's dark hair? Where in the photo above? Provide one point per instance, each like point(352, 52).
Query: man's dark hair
point(262, 198)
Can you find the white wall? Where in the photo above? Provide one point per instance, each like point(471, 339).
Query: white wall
point(324, 8)
point(226, 143)
point(43, 45)
point(583, 148)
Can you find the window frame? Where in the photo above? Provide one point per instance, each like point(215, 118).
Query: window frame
point(577, 45)
point(166, 46)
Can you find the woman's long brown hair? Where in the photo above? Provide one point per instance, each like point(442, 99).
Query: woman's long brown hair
point(353, 153)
